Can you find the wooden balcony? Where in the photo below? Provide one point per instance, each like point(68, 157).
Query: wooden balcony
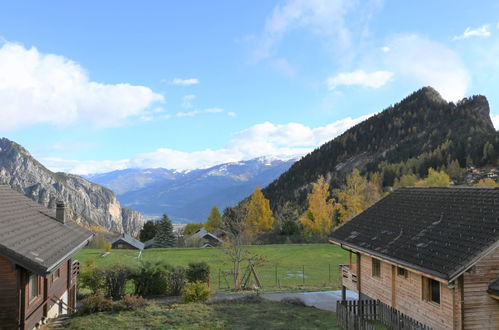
point(75, 270)
point(348, 275)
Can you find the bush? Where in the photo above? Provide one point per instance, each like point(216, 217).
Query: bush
point(196, 292)
point(100, 242)
point(176, 281)
point(130, 303)
point(198, 272)
point(92, 278)
point(95, 303)
point(90, 262)
point(115, 278)
point(151, 278)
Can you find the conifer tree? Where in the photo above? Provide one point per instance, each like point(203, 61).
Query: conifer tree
point(164, 233)
point(214, 221)
point(318, 219)
point(259, 215)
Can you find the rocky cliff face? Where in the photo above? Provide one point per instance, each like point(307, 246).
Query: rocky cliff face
point(88, 203)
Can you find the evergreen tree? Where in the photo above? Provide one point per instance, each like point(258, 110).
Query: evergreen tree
point(318, 219)
point(259, 215)
point(214, 221)
point(148, 231)
point(164, 235)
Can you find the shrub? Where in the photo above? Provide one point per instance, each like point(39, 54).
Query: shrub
point(92, 279)
point(198, 272)
point(196, 292)
point(90, 262)
point(100, 242)
point(130, 303)
point(115, 278)
point(95, 303)
point(176, 281)
point(151, 278)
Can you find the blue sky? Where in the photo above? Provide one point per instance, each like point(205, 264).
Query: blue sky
point(96, 86)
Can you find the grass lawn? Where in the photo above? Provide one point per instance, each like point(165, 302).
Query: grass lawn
point(304, 265)
point(241, 314)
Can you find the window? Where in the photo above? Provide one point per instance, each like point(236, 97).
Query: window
point(402, 272)
point(34, 288)
point(376, 267)
point(431, 290)
point(120, 246)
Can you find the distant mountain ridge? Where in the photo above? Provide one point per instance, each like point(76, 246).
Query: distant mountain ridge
point(87, 203)
point(187, 196)
point(421, 131)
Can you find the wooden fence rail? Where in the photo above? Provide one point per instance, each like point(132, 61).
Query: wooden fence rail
point(360, 314)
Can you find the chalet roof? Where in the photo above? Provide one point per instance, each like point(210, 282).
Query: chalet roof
point(203, 233)
point(31, 236)
point(130, 240)
point(439, 231)
point(494, 288)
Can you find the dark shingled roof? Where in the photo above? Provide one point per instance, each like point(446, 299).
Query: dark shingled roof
point(440, 231)
point(31, 237)
point(494, 288)
point(130, 240)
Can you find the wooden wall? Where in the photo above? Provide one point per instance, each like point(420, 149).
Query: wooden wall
point(9, 295)
point(57, 287)
point(480, 310)
point(405, 294)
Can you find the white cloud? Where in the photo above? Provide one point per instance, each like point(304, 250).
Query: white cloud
point(47, 88)
point(187, 101)
point(497, 26)
point(360, 77)
point(185, 82)
point(282, 66)
point(427, 62)
point(231, 114)
point(385, 49)
point(197, 112)
point(495, 121)
point(285, 141)
point(482, 31)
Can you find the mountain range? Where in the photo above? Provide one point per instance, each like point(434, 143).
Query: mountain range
point(87, 203)
point(188, 196)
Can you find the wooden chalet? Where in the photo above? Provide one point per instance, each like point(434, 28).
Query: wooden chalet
point(37, 271)
point(126, 241)
point(430, 253)
point(205, 238)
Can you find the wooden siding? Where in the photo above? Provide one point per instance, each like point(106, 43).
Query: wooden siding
point(9, 295)
point(405, 294)
point(57, 287)
point(480, 310)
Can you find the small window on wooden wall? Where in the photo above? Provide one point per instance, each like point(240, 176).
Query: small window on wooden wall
point(402, 272)
point(431, 290)
point(34, 287)
point(376, 268)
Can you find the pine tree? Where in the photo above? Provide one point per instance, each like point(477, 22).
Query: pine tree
point(214, 221)
point(259, 215)
point(318, 219)
point(148, 231)
point(164, 233)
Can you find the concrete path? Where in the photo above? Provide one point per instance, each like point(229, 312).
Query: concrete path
point(325, 300)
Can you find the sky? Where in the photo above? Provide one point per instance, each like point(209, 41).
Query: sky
point(94, 86)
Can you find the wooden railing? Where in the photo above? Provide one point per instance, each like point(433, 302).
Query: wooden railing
point(348, 277)
point(59, 300)
point(360, 314)
point(75, 270)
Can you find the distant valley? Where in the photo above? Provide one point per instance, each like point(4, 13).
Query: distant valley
point(187, 196)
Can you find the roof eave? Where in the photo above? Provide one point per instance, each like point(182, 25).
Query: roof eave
point(69, 254)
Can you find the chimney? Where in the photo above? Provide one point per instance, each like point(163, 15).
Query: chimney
point(59, 211)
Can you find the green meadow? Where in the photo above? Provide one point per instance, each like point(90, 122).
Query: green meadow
point(312, 266)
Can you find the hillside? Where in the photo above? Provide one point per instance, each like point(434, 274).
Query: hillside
point(420, 132)
point(87, 202)
point(187, 196)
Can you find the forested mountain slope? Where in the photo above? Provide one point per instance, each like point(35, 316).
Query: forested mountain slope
point(420, 132)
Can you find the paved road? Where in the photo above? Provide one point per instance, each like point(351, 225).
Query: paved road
point(325, 300)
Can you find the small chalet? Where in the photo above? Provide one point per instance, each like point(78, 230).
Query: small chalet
point(126, 241)
point(206, 239)
point(430, 253)
point(37, 271)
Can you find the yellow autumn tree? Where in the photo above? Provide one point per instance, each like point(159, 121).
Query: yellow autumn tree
point(259, 215)
point(486, 182)
point(435, 179)
point(318, 219)
point(357, 195)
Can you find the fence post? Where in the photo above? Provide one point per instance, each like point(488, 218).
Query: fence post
point(276, 283)
point(303, 274)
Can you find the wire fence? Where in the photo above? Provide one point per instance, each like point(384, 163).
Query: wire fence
point(282, 276)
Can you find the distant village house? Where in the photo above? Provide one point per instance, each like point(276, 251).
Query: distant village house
point(126, 241)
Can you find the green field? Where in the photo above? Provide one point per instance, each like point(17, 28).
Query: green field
point(255, 314)
point(286, 266)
